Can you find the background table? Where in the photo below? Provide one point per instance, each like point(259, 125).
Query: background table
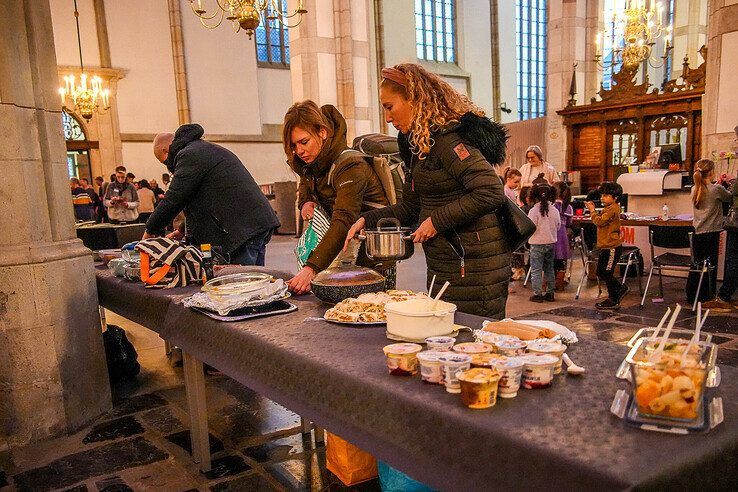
point(109, 236)
point(561, 437)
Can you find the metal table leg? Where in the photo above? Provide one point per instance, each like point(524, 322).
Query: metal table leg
point(196, 405)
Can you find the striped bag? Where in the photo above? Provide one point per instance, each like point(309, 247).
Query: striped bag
point(314, 232)
point(168, 263)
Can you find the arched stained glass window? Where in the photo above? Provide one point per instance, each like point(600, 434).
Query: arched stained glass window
point(72, 129)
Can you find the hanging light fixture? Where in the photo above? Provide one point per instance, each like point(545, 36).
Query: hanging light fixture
point(246, 14)
point(88, 96)
point(636, 29)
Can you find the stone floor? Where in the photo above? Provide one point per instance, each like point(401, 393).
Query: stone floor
point(143, 443)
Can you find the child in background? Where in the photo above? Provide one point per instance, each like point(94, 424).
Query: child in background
point(562, 251)
point(609, 243)
point(524, 199)
point(512, 183)
point(707, 201)
point(547, 220)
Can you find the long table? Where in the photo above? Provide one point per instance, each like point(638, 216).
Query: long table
point(563, 437)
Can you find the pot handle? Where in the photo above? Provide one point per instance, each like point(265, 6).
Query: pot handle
point(390, 220)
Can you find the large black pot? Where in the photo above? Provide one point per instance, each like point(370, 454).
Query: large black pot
point(335, 284)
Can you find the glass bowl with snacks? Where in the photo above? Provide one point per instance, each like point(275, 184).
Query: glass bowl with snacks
point(668, 379)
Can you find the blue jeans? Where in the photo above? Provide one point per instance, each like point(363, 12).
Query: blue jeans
point(542, 261)
point(252, 252)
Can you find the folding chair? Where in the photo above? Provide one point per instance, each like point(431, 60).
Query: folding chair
point(588, 257)
point(674, 237)
point(632, 257)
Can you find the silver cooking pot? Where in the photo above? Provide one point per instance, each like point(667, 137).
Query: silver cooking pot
point(388, 243)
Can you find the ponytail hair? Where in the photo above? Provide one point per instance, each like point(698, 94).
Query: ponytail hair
point(702, 170)
point(543, 194)
point(511, 172)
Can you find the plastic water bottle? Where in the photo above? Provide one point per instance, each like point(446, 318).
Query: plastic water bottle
point(665, 212)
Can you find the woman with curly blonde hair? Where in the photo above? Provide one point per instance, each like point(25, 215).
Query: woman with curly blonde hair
point(452, 190)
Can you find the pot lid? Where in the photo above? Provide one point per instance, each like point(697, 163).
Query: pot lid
point(346, 273)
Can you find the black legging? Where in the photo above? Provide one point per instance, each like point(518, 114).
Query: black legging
point(706, 246)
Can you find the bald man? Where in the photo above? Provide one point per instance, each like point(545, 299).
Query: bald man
point(222, 204)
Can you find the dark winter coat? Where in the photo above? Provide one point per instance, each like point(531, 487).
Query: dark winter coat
point(459, 190)
point(352, 186)
point(222, 203)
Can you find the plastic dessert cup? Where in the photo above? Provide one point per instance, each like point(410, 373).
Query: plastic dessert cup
point(486, 360)
point(670, 385)
point(440, 344)
point(538, 371)
point(402, 358)
point(430, 366)
point(511, 372)
point(479, 387)
point(511, 348)
point(473, 348)
point(451, 364)
point(552, 348)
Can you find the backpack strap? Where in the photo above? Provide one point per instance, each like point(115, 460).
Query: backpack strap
point(347, 153)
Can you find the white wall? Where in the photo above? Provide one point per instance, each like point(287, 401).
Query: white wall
point(508, 59)
point(65, 32)
point(474, 38)
point(221, 77)
point(266, 162)
point(275, 94)
point(140, 43)
point(138, 158)
point(728, 85)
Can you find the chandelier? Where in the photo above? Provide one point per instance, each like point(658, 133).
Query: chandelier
point(635, 30)
point(88, 96)
point(246, 14)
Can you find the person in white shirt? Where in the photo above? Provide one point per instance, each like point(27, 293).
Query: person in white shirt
point(535, 166)
point(547, 220)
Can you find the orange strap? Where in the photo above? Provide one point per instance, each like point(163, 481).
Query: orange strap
point(154, 279)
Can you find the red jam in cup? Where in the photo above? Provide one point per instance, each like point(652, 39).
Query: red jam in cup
point(402, 358)
point(552, 348)
point(511, 371)
point(538, 371)
point(451, 364)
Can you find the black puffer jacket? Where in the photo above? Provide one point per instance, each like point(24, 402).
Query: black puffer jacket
point(459, 189)
point(222, 203)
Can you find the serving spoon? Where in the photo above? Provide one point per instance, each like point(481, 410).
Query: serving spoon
point(571, 367)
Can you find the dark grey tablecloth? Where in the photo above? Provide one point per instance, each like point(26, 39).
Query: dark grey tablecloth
point(560, 438)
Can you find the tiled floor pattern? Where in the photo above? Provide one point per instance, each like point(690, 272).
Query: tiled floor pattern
point(143, 443)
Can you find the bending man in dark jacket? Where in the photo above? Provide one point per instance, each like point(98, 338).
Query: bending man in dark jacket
point(222, 203)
